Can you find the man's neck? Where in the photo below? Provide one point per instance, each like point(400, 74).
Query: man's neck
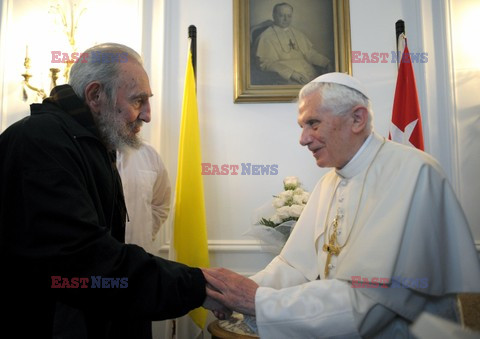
point(359, 149)
point(281, 28)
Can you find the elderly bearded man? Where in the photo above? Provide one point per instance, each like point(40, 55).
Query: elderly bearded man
point(384, 214)
point(62, 213)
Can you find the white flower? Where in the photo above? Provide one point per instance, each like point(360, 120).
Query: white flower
point(283, 212)
point(277, 202)
point(276, 219)
point(296, 210)
point(286, 197)
point(291, 183)
point(298, 199)
point(298, 191)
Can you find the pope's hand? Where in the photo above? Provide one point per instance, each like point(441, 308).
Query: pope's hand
point(298, 77)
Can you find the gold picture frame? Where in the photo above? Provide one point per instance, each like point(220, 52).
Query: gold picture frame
point(249, 86)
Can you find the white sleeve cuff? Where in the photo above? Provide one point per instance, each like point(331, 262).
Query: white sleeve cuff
point(319, 308)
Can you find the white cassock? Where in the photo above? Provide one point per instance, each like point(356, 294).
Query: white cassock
point(287, 50)
point(147, 195)
point(399, 219)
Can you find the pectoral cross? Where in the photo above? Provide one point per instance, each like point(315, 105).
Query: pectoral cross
point(291, 44)
point(331, 248)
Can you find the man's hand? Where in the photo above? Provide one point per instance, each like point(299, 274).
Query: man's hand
point(233, 290)
point(300, 78)
point(220, 311)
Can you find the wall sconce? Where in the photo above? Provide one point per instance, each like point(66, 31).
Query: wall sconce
point(69, 27)
point(26, 79)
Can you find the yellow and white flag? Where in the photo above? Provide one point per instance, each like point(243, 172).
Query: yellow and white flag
point(189, 225)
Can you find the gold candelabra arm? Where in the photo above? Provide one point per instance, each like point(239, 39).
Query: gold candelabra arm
point(26, 80)
point(54, 74)
point(27, 76)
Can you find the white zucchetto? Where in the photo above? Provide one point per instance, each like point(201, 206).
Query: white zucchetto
point(342, 79)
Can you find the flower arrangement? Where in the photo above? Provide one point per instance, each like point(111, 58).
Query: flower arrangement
point(289, 204)
point(275, 220)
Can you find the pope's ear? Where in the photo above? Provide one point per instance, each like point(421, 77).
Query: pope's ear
point(93, 96)
point(360, 119)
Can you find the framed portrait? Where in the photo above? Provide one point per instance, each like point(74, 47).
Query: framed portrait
point(280, 46)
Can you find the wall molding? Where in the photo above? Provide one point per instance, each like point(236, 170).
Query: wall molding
point(226, 245)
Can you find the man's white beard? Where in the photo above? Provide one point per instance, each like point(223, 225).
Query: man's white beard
point(115, 133)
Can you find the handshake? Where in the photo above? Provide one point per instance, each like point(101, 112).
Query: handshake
point(228, 291)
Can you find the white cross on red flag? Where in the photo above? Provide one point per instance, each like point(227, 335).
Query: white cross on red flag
point(406, 126)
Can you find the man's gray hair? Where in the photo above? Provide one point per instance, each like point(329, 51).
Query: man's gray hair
point(338, 99)
point(105, 70)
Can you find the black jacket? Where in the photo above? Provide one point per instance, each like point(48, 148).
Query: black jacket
point(61, 216)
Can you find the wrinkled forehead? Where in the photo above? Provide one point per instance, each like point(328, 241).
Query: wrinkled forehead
point(132, 70)
point(310, 104)
point(133, 77)
point(282, 9)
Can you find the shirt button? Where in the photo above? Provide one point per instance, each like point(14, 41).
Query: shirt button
point(343, 183)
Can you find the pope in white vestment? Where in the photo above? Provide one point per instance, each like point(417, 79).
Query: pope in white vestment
point(147, 195)
point(410, 227)
point(287, 51)
point(381, 239)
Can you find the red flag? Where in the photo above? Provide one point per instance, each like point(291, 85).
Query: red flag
point(406, 126)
